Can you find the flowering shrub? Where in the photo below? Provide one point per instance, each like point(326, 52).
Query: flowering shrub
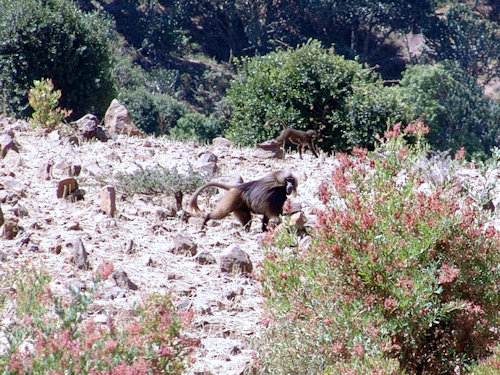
point(44, 100)
point(54, 335)
point(398, 278)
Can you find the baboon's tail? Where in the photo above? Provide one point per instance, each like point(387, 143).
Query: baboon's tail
point(283, 123)
point(193, 204)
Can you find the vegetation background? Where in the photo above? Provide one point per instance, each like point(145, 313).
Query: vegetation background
point(346, 69)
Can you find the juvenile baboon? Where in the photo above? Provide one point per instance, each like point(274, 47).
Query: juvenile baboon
point(300, 138)
point(265, 196)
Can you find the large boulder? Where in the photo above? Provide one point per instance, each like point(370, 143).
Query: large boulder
point(117, 120)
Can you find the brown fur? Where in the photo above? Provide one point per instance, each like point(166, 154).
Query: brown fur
point(265, 196)
point(300, 138)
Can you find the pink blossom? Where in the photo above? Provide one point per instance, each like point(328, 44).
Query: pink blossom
point(460, 153)
point(396, 128)
point(448, 274)
point(390, 303)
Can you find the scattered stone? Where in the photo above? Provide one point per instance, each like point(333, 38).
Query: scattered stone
point(298, 220)
point(89, 128)
point(19, 210)
point(117, 292)
point(25, 239)
point(269, 154)
point(221, 142)
point(33, 247)
point(7, 143)
point(54, 136)
point(108, 200)
point(117, 120)
point(74, 170)
point(10, 228)
point(235, 350)
point(169, 211)
point(93, 169)
point(230, 295)
point(184, 216)
point(66, 187)
point(208, 168)
point(184, 245)
point(184, 305)
point(12, 160)
point(55, 248)
point(205, 257)
point(3, 256)
point(235, 259)
point(2, 220)
point(14, 186)
point(73, 140)
point(45, 171)
point(73, 225)
point(130, 247)
point(101, 318)
point(207, 157)
point(122, 280)
point(80, 254)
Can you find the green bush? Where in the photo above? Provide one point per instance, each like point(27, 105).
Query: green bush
point(44, 100)
point(195, 126)
point(397, 279)
point(153, 113)
point(53, 39)
point(310, 87)
point(453, 106)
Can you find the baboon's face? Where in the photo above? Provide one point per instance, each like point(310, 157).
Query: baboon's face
point(291, 185)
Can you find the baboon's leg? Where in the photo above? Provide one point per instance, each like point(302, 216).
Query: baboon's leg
point(244, 216)
point(230, 201)
point(265, 221)
point(300, 150)
point(313, 149)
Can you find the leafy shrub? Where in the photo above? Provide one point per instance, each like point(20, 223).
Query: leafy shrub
point(54, 334)
point(54, 39)
point(453, 106)
point(197, 127)
point(44, 100)
point(310, 87)
point(398, 278)
point(153, 113)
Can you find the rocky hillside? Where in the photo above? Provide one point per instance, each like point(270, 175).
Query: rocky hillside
point(146, 235)
point(159, 248)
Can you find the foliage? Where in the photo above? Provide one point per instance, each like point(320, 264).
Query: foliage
point(153, 113)
point(399, 278)
point(453, 106)
point(310, 87)
point(54, 39)
point(227, 28)
point(467, 38)
point(55, 334)
point(44, 100)
point(195, 126)
point(153, 181)
point(149, 27)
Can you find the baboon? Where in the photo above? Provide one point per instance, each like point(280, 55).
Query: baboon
point(265, 196)
point(300, 138)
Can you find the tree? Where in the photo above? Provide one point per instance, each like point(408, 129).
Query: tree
point(467, 38)
point(53, 39)
point(452, 104)
point(310, 87)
